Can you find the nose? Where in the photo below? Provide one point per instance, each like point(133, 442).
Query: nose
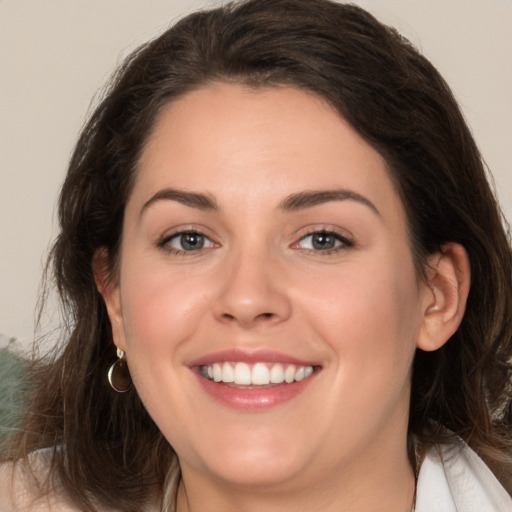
point(252, 292)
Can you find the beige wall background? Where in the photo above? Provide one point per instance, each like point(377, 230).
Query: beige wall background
point(56, 54)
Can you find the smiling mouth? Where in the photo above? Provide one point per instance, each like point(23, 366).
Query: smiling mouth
point(255, 375)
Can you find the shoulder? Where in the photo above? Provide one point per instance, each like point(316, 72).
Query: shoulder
point(453, 478)
point(23, 489)
point(18, 492)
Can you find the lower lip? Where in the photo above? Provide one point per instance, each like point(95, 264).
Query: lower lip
point(255, 399)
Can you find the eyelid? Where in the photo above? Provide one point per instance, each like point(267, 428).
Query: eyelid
point(177, 236)
point(163, 241)
point(346, 238)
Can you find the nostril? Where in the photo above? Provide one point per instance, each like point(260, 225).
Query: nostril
point(261, 316)
point(265, 315)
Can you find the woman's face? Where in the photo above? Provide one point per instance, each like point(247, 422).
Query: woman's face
point(264, 241)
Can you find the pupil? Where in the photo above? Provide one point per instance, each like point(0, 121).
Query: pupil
point(192, 241)
point(323, 241)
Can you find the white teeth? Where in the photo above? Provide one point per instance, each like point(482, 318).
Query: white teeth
point(228, 375)
point(300, 374)
point(277, 374)
point(242, 374)
point(289, 374)
point(261, 374)
point(217, 372)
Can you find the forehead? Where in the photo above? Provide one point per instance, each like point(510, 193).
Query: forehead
point(239, 142)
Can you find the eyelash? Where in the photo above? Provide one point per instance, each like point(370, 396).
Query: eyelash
point(343, 243)
point(166, 241)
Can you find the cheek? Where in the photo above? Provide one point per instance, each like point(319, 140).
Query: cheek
point(370, 320)
point(369, 313)
point(160, 309)
point(161, 312)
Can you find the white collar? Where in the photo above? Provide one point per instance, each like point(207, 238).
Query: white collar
point(453, 478)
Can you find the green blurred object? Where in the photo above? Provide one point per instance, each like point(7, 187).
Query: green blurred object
point(13, 392)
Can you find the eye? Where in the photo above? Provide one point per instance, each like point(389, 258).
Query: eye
point(323, 241)
point(186, 241)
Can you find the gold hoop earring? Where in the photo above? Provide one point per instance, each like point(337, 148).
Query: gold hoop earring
point(119, 375)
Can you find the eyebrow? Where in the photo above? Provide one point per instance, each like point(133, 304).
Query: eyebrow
point(308, 199)
point(292, 203)
point(192, 199)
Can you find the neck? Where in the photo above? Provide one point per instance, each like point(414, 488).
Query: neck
point(382, 483)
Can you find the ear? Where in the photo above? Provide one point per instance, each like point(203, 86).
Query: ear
point(445, 294)
point(109, 290)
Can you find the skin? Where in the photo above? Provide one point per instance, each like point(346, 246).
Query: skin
point(359, 312)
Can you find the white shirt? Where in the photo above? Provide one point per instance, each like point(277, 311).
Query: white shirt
point(453, 478)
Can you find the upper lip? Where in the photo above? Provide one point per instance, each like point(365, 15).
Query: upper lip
point(252, 356)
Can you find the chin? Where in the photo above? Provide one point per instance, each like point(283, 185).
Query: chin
point(257, 472)
point(256, 460)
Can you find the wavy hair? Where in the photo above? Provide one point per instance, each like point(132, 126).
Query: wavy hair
point(114, 455)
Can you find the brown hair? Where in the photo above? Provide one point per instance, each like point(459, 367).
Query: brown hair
point(114, 455)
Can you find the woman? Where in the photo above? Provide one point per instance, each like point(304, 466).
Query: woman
point(279, 221)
